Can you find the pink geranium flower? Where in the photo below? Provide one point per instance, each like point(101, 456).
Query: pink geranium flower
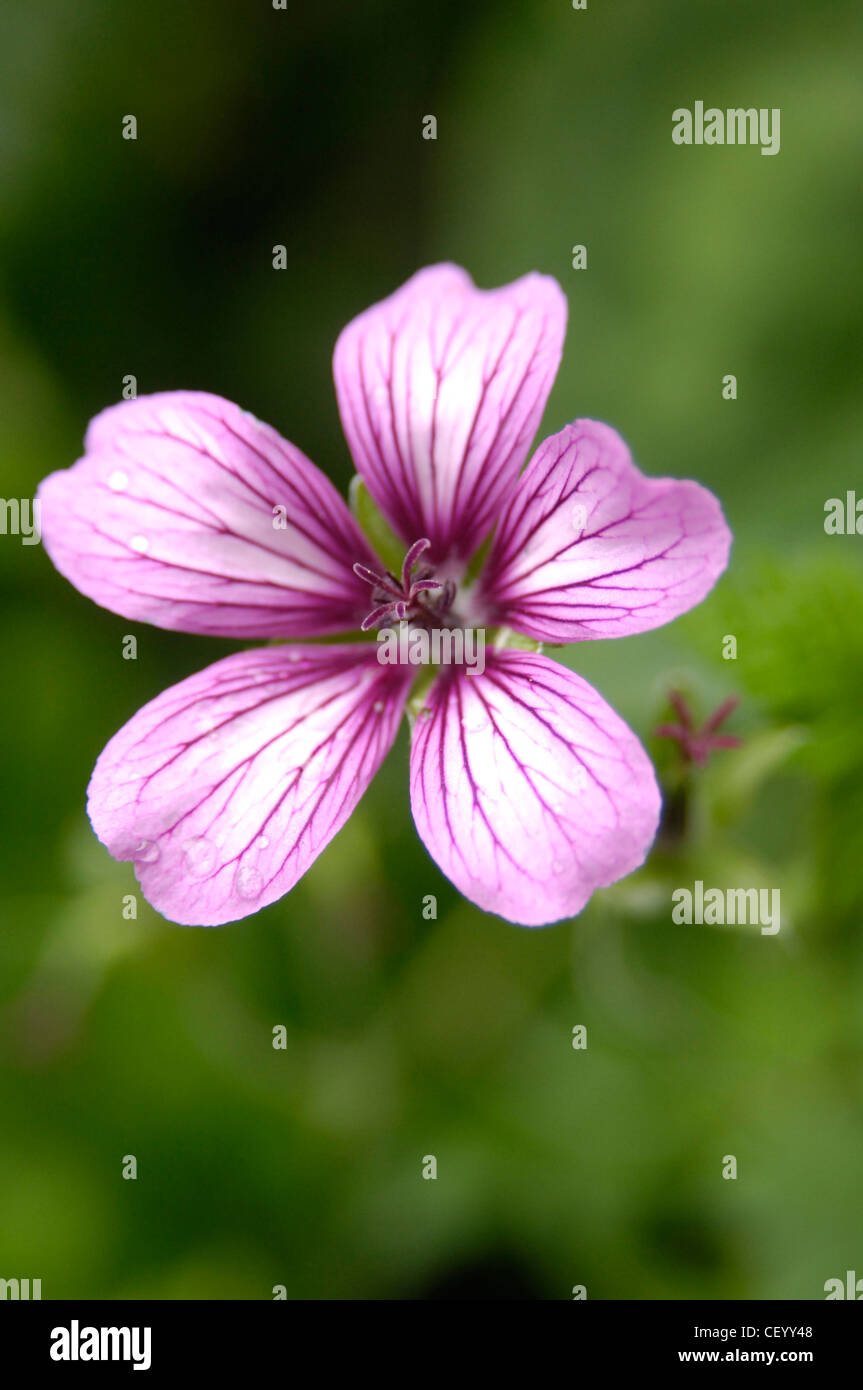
point(526, 788)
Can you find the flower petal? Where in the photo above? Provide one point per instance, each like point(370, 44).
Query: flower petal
point(589, 547)
point(226, 787)
point(528, 790)
point(441, 388)
point(171, 518)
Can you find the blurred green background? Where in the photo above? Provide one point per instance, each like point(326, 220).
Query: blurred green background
point(407, 1037)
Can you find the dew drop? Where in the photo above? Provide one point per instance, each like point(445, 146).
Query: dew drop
point(118, 480)
point(475, 723)
point(248, 882)
point(140, 543)
point(263, 841)
point(145, 852)
point(378, 706)
point(200, 856)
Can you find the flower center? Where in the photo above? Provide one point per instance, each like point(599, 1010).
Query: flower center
point(416, 596)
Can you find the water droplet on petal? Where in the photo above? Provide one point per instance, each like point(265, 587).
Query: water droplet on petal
point(118, 480)
point(200, 856)
point(248, 882)
point(263, 841)
point(145, 852)
point(425, 712)
point(475, 722)
point(557, 866)
point(378, 706)
point(140, 543)
point(578, 517)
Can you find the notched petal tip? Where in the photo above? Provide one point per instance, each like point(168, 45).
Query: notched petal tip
point(528, 790)
point(589, 547)
point(187, 512)
point(224, 789)
point(441, 388)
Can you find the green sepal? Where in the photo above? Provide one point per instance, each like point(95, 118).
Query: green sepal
point(506, 639)
point(416, 701)
point(477, 560)
point(377, 530)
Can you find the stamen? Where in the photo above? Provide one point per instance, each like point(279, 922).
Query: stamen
point(401, 599)
point(417, 549)
point(376, 616)
point(387, 582)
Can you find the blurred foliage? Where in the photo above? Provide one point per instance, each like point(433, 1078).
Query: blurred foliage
point(556, 1167)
